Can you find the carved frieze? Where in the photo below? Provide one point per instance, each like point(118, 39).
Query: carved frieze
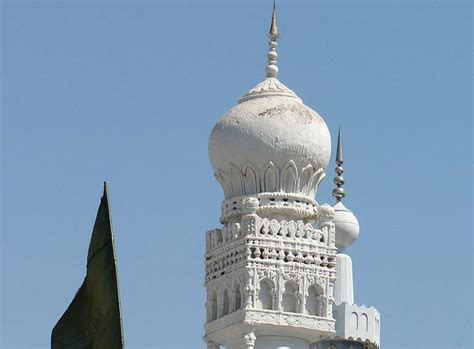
point(289, 179)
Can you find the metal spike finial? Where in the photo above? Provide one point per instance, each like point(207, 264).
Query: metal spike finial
point(339, 148)
point(274, 28)
point(338, 192)
point(272, 68)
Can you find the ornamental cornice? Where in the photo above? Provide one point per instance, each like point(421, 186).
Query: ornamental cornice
point(264, 268)
point(292, 205)
point(259, 317)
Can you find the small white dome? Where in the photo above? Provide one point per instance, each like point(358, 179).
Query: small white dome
point(347, 226)
point(270, 142)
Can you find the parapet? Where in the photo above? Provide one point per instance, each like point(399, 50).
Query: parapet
point(357, 323)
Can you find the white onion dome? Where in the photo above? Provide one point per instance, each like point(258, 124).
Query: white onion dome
point(270, 142)
point(346, 224)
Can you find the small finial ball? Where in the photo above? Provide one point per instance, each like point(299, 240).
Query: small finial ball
point(339, 180)
point(272, 70)
point(339, 191)
point(272, 55)
point(347, 226)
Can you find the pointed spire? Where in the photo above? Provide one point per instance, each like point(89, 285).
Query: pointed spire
point(272, 68)
point(274, 28)
point(338, 192)
point(339, 148)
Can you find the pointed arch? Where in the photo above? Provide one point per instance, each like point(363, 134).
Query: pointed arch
point(289, 178)
point(237, 297)
point(270, 178)
point(237, 180)
point(306, 175)
point(315, 181)
point(250, 179)
point(225, 302)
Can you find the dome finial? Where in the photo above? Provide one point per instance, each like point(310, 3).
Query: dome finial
point(338, 192)
point(272, 68)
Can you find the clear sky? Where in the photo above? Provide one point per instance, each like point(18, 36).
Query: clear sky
point(129, 91)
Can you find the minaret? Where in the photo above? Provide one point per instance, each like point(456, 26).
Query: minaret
point(357, 327)
point(271, 265)
point(347, 231)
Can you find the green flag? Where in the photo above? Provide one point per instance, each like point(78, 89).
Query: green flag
point(93, 319)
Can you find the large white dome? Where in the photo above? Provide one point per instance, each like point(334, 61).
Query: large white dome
point(270, 142)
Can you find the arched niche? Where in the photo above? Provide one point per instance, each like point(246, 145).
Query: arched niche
point(225, 302)
point(364, 321)
point(315, 301)
point(354, 321)
point(213, 306)
point(237, 297)
point(265, 297)
point(289, 299)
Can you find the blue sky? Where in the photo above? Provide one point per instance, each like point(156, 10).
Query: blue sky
point(128, 92)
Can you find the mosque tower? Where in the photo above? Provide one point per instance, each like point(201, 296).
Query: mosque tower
point(276, 276)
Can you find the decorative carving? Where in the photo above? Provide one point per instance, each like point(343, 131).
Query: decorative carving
point(251, 182)
point(249, 340)
point(278, 202)
point(270, 178)
point(249, 294)
point(250, 204)
point(257, 316)
point(288, 179)
point(237, 180)
point(270, 86)
point(325, 215)
point(242, 254)
point(289, 319)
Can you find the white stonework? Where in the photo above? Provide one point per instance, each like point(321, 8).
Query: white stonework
point(344, 287)
point(357, 323)
point(274, 277)
point(273, 268)
point(347, 226)
point(270, 143)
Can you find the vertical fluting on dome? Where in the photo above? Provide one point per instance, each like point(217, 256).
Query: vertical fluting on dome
point(338, 193)
point(272, 67)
